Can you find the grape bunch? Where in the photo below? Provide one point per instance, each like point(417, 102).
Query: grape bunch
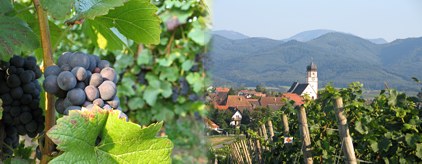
point(11, 141)
point(20, 94)
point(81, 80)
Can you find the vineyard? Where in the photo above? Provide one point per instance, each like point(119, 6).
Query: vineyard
point(339, 127)
point(96, 81)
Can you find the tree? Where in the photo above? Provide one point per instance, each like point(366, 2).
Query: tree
point(260, 88)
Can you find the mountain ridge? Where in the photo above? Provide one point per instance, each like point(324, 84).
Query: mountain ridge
point(341, 58)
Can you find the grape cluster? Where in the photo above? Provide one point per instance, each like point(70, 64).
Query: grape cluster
point(81, 80)
point(20, 92)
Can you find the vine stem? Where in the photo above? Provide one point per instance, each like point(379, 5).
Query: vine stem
point(50, 118)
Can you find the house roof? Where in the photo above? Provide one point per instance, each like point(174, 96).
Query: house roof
point(253, 102)
point(264, 101)
point(210, 124)
point(221, 98)
point(237, 101)
point(222, 89)
point(298, 88)
point(295, 97)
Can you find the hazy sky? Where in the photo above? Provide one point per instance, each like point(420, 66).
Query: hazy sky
point(280, 19)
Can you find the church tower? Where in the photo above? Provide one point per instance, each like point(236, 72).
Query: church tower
point(312, 76)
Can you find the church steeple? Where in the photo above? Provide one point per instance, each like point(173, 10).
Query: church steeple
point(312, 76)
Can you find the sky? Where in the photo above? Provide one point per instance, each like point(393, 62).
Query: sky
point(281, 19)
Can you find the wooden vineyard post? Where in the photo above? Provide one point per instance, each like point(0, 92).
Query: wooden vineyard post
point(254, 150)
point(245, 151)
point(236, 144)
point(285, 125)
point(259, 152)
point(264, 131)
point(304, 133)
point(270, 128)
point(345, 137)
point(215, 159)
point(248, 151)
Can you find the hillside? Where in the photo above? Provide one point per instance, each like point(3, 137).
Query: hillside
point(341, 59)
point(230, 34)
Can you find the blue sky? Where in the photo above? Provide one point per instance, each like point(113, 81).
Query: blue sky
point(280, 19)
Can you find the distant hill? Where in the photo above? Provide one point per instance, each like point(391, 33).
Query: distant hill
point(378, 41)
point(341, 58)
point(230, 34)
point(309, 35)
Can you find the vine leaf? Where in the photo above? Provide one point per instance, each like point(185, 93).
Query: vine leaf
point(58, 9)
point(89, 9)
point(121, 141)
point(136, 20)
point(102, 36)
point(195, 79)
point(5, 7)
point(93, 8)
point(15, 36)
point(419, 150)
point(199, 34)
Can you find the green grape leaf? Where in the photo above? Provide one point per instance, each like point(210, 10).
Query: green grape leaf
point(58, 9)
point(121, 141)
point(5, 7)
point(165, 89)
point(359, 127)
point(169, 73)
point(136, 103)
point(15, 36)
point(126, 89)
point(419, 150)
point(374, 145)
point(136, 20)
point(145, 57)
point(91, 9)
point(102, 36)
point(199, 34)
point(187, 65)
point(196, 81)
point(411, 139)
point(150, 95)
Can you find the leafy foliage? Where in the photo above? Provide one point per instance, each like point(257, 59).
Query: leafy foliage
point(121, 141)
point(135, 15)
point(15, 37)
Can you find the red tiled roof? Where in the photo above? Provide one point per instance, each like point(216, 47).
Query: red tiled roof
point(233, 101)
point(211, 124)
point(293, 96)
point(264, 101)
point(222, 89)
point(259, 94)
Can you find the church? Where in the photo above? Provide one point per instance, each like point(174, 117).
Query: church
point(309, 88)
